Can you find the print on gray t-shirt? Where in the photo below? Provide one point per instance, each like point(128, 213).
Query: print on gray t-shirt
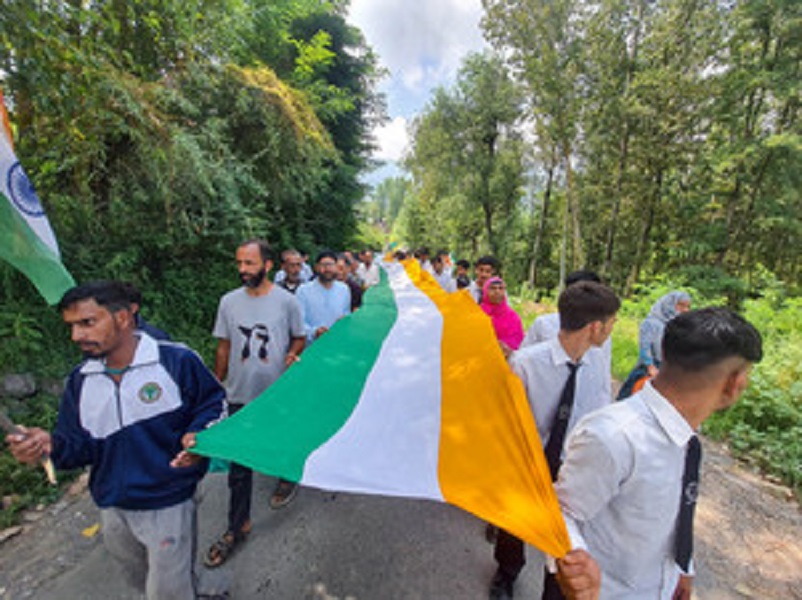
point(260, 329)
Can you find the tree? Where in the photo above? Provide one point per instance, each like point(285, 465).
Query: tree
point(466, 156)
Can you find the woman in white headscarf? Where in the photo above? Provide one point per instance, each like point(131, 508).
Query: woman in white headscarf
point(650, 340)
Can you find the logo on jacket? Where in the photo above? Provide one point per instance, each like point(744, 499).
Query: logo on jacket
point(150, 392)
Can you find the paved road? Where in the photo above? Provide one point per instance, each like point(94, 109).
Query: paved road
point(332, 546)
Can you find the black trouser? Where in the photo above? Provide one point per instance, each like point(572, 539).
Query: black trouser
point(510, 555)
point(240, 486)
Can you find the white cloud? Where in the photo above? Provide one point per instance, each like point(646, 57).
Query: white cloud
point(421, 42)
point(392, 139)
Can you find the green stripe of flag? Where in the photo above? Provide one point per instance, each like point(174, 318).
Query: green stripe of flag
point(309, 403)
point(25, 251)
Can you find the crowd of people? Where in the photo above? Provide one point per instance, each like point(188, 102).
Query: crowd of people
point(625, 472)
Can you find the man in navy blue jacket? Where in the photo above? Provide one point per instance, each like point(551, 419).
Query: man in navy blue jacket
point(130, 411)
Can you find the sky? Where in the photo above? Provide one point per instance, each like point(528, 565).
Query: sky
point(421, 43)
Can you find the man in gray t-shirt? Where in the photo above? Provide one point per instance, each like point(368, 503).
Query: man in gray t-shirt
point(260, 332)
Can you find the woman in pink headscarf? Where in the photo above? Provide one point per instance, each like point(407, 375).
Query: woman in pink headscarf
point(506, 322)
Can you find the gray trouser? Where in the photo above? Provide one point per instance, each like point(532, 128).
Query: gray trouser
point(156, 548)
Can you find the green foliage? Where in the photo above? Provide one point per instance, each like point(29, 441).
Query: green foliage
point(466, 162)
point(28, 486)
point(160, 134)
point(763, 427)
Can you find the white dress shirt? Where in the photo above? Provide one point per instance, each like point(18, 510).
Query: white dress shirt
point(369, 276)
point(543, 369)
point(475, 291)
point(597, 360)
point(445, 280)
point(619, 489)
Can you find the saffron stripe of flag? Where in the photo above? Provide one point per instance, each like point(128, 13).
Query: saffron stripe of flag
point(410, 396)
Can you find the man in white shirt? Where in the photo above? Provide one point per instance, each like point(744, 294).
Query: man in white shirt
point(441, 274)
point(291, 275)
point(485, 268)
point(624, 487)
point(597, 360)
point(423, 258)
point(560, 392)
point(368, 271)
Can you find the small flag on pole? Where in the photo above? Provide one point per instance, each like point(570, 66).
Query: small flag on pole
point(26, 239)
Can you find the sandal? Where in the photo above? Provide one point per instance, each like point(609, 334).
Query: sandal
point(221, 550)
point(284, 493)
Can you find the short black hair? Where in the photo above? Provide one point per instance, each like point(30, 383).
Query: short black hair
point(488, 260)
point(112, 295)
point(581, 275)
point(698, 339)
point(134, 295)
point(463, 263)
point(265, 251)
point(326, 254)
point(586, 302)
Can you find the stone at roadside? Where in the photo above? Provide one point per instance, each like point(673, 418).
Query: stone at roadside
point(9, 533)
point(32, 516)
point(18, 385)
point(52, 387)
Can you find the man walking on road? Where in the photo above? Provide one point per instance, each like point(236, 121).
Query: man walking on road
point(485, 268)
point(629, 483)
point(324, 300)
point(130, 411)
point(441, 274)
point(368, 270)
point(290, 276)
point(560, 391)
point(260, 333)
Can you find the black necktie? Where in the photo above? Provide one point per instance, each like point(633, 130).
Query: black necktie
point(554, 447)
point(690, 485)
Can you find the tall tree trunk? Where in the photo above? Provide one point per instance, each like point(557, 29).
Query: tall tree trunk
point(646, 230)
point(615, 210)
point(563, 247)
point(572, 202)
point(541, 228)
point(491, 238)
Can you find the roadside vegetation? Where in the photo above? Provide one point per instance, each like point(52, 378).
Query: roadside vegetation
point(763, 427)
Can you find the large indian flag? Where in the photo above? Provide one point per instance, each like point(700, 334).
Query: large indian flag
point(409, 396)
point(26, 239)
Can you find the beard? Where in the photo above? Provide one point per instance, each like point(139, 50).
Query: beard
point(326, 277)
point(253, 280)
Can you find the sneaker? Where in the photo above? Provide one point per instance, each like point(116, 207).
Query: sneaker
point(501, 587)
point(283, 494)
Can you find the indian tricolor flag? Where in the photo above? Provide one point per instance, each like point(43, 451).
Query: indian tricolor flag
point(409, 396)
point(26, 239)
